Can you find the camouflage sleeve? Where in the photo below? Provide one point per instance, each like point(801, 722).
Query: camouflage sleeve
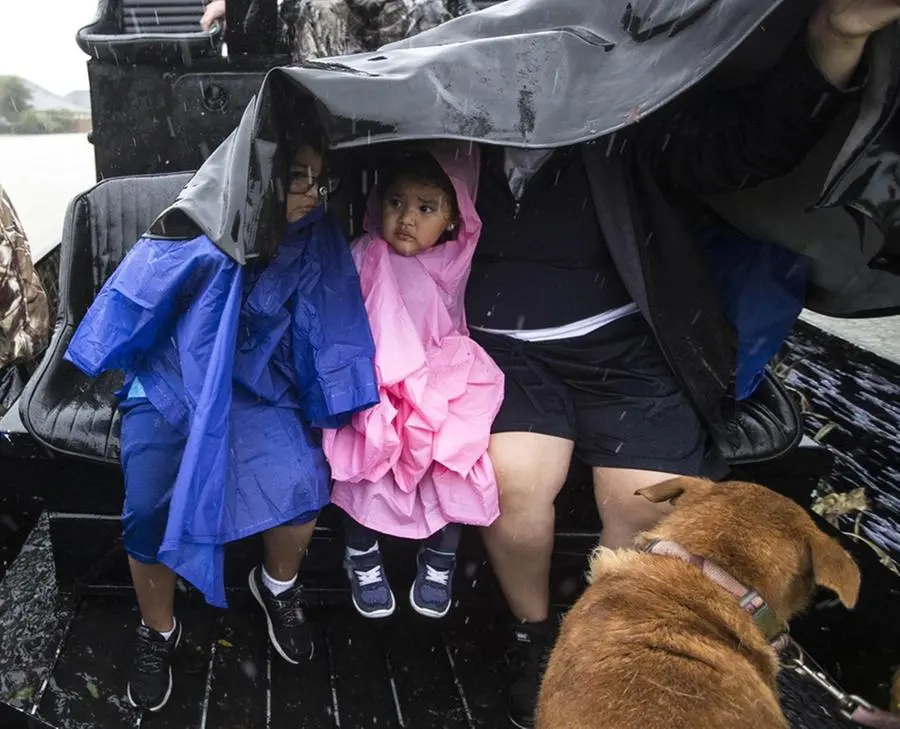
point(24, 316)
point(321, 28)
point(324, 28)
point(394, 20)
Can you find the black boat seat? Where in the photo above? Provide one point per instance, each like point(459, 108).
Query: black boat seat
point(766, 426)
point(149, 31)
point(62, 408)
point(75, 415)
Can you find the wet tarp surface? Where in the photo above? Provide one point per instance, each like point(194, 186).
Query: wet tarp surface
point(535, 73)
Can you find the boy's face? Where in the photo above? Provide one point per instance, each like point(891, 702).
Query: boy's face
point(304, 183)
point(414, 216)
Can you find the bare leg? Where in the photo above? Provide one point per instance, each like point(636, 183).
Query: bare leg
point(531, 469)
point(623, 514)
point(284, 548)
point(155, 588)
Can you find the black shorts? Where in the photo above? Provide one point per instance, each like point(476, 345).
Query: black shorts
point(611, 392)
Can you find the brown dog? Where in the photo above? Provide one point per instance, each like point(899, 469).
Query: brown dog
point(657, 642)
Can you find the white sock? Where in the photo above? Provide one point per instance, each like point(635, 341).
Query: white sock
point(276, 587)
point(165, 634)
point(359, 552)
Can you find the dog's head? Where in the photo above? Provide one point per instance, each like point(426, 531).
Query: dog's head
point(763, 539)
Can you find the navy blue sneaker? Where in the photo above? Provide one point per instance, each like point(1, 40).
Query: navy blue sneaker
point(372, 596)
point(432, 590)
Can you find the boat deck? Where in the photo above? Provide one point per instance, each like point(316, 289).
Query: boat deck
point(64, 656)
point(64, 660)
point(404, 673)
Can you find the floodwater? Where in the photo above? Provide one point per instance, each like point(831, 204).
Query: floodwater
point(880, 336)
point(42, 173)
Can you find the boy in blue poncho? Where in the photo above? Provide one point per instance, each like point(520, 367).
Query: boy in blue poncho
point(228, 370)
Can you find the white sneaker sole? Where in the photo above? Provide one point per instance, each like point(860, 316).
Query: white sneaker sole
point(375, 614)
point(165, 699)
point(272, 640)
point(518, 725)
point(423, 610)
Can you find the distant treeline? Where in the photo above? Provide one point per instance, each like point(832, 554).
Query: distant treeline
point(18, 117)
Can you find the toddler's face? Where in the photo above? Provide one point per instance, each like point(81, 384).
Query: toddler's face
point(414, 216)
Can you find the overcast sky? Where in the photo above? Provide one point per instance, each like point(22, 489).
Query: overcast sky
point(37, 41)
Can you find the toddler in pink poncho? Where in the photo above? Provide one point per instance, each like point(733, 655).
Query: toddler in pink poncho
point(416, 464)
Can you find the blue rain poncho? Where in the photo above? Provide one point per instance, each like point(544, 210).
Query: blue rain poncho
point(762, 289)
point(243, 361)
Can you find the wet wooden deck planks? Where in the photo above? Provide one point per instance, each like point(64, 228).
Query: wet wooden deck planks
point(406, 672)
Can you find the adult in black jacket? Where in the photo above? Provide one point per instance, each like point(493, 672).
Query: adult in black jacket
point(589, 292)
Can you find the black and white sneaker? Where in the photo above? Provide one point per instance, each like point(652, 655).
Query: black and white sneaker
point(150, 683)
point(288, 629)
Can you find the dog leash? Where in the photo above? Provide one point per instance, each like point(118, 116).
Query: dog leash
point(792, 656)
point(853, 707)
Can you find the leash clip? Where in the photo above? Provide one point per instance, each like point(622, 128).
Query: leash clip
point(803, 665)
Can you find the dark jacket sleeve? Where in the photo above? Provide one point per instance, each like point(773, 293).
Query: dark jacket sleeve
point(738, 138)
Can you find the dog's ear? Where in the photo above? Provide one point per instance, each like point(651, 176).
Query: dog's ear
point(833, 568)
point(672, 489)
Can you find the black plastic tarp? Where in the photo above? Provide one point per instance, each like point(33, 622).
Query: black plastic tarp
point(536, 73)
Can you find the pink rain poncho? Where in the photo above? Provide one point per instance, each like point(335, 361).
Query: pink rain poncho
point(418, 459)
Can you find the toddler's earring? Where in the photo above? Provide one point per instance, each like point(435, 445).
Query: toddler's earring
point(450, 228)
